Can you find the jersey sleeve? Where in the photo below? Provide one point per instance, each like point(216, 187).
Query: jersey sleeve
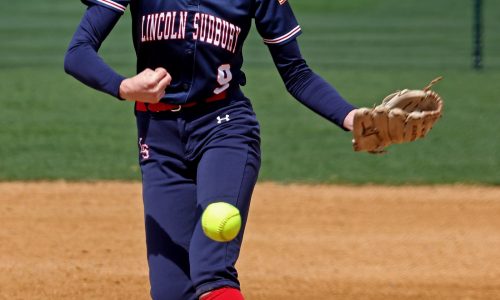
point(306, 86)
point(275, 21)
point(116, 5)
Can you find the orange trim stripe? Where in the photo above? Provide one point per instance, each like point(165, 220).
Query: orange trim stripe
point(113, 4)
point(283, 37)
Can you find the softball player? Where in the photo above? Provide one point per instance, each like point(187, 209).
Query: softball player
point(198, 137)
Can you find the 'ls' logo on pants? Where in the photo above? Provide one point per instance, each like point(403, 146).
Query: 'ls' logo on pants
point(144, 149)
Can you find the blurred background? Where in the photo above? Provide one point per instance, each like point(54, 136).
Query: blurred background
point(53, 127)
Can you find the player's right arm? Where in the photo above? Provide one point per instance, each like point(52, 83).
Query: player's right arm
point(83, 62)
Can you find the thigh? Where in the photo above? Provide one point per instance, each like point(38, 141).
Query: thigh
point(227, 171)
point(169, 194)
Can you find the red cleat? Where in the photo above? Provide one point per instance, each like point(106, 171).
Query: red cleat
point(226, 293)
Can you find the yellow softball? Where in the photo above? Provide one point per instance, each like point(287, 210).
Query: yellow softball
point(221, 221)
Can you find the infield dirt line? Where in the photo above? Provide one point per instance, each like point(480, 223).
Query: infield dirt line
point(62, 240)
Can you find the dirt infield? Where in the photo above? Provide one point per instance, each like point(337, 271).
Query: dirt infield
point(85, 241)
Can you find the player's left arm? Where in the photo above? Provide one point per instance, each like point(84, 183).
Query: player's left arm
point(308, 87)
point(276, 23)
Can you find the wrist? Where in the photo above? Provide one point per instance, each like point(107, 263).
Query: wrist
point(123, 90)
point(349, 120)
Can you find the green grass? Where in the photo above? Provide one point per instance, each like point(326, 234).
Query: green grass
point(463, 146)
point(53, 127)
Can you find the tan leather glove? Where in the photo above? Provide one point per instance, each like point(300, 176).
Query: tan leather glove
point(403, 116)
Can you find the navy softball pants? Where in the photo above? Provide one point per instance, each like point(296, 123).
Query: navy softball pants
point(189, 159)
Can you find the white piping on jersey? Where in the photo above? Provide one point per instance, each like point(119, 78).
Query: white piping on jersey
point(113, 4)
point(283, 37)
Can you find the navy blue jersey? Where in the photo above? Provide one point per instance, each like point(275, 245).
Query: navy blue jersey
point(200, 42)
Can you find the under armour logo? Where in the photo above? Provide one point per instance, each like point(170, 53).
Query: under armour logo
point(219, 119)
point(144, 149)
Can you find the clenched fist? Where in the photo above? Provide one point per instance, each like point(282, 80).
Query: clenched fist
point(148, 86)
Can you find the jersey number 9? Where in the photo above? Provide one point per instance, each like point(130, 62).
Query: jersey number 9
point(224, 76)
